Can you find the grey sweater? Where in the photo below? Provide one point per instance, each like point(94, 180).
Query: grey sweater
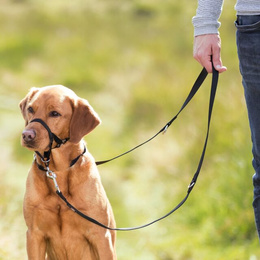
point(208, 13)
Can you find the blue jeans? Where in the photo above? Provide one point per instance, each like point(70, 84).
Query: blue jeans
point(248, 45)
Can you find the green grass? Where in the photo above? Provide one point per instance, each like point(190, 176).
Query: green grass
point(133, 61)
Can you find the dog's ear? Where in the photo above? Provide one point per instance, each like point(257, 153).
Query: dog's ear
point(24, 101)
point(84, 120)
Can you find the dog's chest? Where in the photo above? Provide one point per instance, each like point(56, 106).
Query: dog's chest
point(53, 217)
point(45, 211)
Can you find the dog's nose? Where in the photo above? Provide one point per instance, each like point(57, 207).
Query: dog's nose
point(28, 135)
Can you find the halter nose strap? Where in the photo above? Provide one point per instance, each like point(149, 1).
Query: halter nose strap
point(52, 137)
point(46, 127)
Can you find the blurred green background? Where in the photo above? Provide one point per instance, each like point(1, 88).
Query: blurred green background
point(133, 61)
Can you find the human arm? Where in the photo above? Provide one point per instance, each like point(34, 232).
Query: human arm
point(207, 41)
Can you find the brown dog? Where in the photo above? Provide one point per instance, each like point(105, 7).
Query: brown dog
point(54, 230)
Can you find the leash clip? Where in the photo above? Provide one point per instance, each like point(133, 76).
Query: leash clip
point(50, 174)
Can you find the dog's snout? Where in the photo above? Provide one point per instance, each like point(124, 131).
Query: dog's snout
point(28, 135)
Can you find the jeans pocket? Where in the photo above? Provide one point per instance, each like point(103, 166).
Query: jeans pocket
point(248, 23)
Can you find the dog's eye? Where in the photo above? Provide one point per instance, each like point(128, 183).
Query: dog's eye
point(54, 114)
point(30, 110)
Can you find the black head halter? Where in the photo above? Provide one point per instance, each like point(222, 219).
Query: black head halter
point(46, 156)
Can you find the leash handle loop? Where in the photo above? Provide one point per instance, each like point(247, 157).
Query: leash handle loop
point(214, 83)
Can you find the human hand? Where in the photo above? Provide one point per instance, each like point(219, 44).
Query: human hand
point(204, 47)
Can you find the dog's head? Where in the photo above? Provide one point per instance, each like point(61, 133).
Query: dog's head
point(67, 115)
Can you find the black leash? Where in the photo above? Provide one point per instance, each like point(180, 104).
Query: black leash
point(193, 91)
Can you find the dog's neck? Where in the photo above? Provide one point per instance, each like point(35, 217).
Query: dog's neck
point(61, 158)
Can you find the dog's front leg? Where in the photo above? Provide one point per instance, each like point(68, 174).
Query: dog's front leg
point(36, 245)
point(106, 246)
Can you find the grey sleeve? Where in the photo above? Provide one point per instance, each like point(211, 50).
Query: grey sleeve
point(207, 15)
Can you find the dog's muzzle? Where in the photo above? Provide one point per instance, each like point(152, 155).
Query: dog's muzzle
point(52, 138)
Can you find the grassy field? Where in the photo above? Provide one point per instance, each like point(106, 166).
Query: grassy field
point(133, 61)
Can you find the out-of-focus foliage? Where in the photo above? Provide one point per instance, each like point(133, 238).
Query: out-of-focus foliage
point(133, 61)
